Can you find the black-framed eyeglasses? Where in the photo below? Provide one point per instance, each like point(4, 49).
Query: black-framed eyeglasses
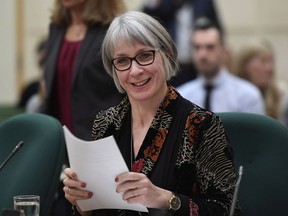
point(143, 58)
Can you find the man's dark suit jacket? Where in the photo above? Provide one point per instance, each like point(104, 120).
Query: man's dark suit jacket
point(166, 10)
point(92, 89)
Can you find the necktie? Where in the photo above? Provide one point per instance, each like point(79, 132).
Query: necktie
point(208, 89)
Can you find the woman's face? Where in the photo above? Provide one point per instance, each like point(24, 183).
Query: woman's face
point(70, 4)
point(141, 82)
point(260, 70)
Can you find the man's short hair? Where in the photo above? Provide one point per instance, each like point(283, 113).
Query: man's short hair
point(203, 23)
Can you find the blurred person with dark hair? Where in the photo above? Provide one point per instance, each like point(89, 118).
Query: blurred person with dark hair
point(35, 101)
point(77, 85)
point(215, 88)
point(178, 17)
point(32, 95)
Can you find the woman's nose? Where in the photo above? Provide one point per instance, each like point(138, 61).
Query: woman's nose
point(136, 68)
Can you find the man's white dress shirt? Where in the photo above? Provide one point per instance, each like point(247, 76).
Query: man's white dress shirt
point(230, 94)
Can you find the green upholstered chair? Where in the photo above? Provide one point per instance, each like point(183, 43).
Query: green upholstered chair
point(261, 145)
point(36, 167)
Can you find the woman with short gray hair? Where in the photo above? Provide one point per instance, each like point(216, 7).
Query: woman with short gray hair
point(179, 158)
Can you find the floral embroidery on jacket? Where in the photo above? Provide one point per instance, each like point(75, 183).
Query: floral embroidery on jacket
point(153, 151)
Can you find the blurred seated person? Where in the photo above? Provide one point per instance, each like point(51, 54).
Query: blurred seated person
point(284, 114)
point(28, 91)
point(175, 150)
point(255, 63)
point(32, 95)
point(35, 101)
point(216, 89)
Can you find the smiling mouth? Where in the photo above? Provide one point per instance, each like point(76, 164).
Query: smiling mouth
point(141, 83)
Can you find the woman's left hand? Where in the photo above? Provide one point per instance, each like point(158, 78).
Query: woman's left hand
point(138, 188)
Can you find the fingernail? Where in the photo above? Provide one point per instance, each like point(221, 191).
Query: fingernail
point(90, 194)
point(74, 175)
point(83, 184)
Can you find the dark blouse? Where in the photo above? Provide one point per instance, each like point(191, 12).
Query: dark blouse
point(63, 82)
point(185, 151)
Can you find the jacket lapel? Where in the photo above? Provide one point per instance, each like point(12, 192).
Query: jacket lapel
point(92, 35)
point(54, 45)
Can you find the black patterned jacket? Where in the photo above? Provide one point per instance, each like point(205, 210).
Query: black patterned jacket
point(185, 150)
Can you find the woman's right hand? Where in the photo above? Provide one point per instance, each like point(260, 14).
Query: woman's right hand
point(74, 189)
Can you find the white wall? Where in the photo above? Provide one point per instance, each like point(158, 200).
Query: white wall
point(35, 22)
point(7, 52)
point(37, 14)
point(248, 20)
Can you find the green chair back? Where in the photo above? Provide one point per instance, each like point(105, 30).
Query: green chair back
point(260, 144)
point(36, 168)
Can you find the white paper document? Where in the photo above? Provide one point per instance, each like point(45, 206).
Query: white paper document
point(98, 163)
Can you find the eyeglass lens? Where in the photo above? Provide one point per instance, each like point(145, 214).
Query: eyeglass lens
point(143, 59)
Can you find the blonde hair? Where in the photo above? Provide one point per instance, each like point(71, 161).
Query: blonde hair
point(100, 11)
point(271, 94)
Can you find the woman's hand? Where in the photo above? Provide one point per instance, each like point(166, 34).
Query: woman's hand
point(138, 188)
point(74, 189)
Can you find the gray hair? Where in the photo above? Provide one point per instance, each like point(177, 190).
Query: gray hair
point(131, 26)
